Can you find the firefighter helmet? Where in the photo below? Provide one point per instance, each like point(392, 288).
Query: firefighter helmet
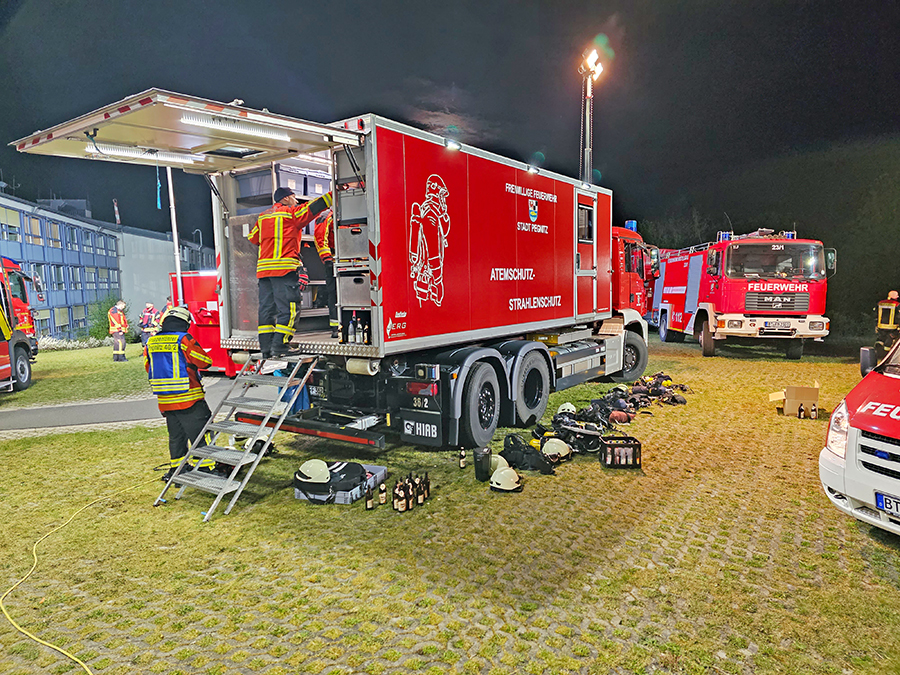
point(566, 408)
point(179, 313)
point(314, 471)
point(893, 295)
point(506, 480)
point(498, 462)
point(556, 447)
point(436, 191)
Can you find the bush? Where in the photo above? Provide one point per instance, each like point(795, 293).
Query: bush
point(98, 321)
point(50, 344)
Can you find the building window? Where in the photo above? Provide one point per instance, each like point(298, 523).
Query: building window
point(41, 321)
point(75, 278)
point(11, 224)
point(112, 247)
point(585, 224)
point(100, 244)
point(72, 238)
point(90, 278)
point(53, 237)
point(88, 241)
point(57, 279)
point(114, 278)
point(39, 271)
point(79, 316)
point(33, 231)
point(61, 317)
point(103, 277)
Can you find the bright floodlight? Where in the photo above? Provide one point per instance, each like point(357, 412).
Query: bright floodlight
point(452, 145)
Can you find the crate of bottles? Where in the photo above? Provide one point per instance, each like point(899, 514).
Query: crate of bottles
point(620, 452)
point(375, 476)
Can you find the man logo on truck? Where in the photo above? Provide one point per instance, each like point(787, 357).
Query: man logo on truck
point(429, 226)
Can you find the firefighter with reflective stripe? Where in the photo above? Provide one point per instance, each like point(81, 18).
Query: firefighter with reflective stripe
point(324, 234)
point(149, 323)
point(173, 360)
point(118, 326)
point(282, 277)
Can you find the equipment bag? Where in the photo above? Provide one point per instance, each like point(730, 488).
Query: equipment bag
point(343, 477)
point(521, 455)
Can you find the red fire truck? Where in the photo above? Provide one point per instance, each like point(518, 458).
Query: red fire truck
point(757, 286)
point(17, 347)
point(16, 279)
point(474, 284)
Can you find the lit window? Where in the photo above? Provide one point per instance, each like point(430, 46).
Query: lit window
point(53, 238)
point(11, 224)
point(33, 231)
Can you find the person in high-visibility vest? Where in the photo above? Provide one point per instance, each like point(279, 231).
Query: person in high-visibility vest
point(118, 326)
point(324, 235)
point(173, 360)
point(149, 323)
point(282, 277)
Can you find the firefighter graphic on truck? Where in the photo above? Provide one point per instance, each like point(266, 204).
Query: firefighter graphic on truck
point(429, 225)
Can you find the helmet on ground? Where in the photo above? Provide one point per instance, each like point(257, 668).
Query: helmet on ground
point(498, 462)
point(178, 312)
point(506, 480)
point(314, 471)
point(566, 408)
point(556, 447)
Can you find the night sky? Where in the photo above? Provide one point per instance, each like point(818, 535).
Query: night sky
point(696, 88)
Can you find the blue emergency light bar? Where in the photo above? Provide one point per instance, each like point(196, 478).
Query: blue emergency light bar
point(724, 236)
point(790, 235)
point(631, 225)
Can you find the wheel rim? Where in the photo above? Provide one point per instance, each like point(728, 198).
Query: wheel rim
point(21, 368)
point(532, 391)
point(486, 406)
point(630, 357)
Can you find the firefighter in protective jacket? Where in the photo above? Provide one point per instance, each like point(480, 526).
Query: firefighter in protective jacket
point(149, 322)
point(174, 359)
point(118, 326)
point(324, 234)
point(281, 274)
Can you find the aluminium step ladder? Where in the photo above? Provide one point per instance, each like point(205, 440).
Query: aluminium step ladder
point(259, 437)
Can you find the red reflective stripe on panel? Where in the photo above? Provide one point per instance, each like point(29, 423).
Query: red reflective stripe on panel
point(125, 109)
point(145, 101)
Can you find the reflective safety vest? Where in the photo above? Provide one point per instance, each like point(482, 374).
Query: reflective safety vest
point(168, 365)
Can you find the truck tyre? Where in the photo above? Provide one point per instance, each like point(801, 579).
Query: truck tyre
point(634, 359)
point(532, 389)
point(481, 406)
point(21, 370)
point(665, 334)
point(794, 349)
point(707, 344)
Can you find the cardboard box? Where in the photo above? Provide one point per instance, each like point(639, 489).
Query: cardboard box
point(790, 398)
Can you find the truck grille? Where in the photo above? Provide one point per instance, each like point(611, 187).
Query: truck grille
point(884, 471)
point(879, 437)
point(884, 460)
point(777, 302)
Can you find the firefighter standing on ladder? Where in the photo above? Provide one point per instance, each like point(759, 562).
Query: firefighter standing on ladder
point(324, 234)
point(118, 326)
point(281, 275)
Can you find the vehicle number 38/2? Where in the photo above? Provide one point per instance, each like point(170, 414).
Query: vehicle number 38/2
point(420, 402)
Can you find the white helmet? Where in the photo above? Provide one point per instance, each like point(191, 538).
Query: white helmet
point(498, 462)
point(179, 312)
point(556, 447)
point(314, 471)
point(566, 408)
point(506, 480)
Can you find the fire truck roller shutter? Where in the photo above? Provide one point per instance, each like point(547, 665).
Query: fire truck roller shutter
point(634, 359)
point(665, 334)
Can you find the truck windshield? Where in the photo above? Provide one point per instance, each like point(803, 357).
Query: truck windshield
point(768, 260)
point(17, 287)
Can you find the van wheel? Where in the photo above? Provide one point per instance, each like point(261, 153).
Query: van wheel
point(22, 370)
point(481, 406)
point(794, 349)
point(665, 334)
point(634, 360)
point(707, 344)
point(532, 389)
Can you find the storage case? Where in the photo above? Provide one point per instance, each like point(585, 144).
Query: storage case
point(375, 476)
point(620, 452)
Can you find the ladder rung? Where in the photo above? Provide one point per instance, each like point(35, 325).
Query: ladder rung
point(246, 403)
point(273, 380)
point(236, 428)
point(229, 456)
point(207, 482)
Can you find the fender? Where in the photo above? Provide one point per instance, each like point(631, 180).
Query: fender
point(635, 322)
point(514, 351)
point(463, 359)
point(709, 310)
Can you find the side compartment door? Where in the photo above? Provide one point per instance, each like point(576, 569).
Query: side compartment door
point(585, 255)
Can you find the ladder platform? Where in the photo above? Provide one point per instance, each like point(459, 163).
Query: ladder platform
point(273, 380)
point(207, 482)
point(230, 456)
point(247, 403)
point(236, 428)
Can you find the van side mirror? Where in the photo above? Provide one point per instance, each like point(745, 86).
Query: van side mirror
point(867, 360)
point(830, 261)
point(712, 262)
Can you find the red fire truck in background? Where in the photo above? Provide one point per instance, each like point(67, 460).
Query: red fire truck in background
point(15, 278)
point(18, 346)
point(759, 286)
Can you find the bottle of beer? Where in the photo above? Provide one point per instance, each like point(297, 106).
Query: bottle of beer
point(462, 458)
point(410, 497)
point(370, 499)
point(813, 412)
point(366, 334)
point(800, 412)
point(420, 492)
point(396, 495)
point(427, 486)
point(382, 494)
point(401, 498)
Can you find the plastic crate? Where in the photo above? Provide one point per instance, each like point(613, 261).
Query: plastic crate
point(620, 452)
point(376, 475)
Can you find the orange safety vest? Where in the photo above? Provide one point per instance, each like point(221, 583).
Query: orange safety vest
point(324, 233)
point(118, 322)
point(277, 233)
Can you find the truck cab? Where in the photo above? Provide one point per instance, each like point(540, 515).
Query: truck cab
point(16, 279)
point(859, 467)
point(15, 346)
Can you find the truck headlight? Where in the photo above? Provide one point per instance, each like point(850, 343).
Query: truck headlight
point(838, 429)
point(735, 323)
point(817, 325)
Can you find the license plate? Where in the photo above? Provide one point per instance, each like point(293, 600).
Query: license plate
point(888, 504)
point(778, 325)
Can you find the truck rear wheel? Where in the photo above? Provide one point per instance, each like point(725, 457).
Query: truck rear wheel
point(707, 344)
point(481, 406)
point(794, 349)
point(532, 389)
point(22, 370)
point(634, 359)
point(665, 334)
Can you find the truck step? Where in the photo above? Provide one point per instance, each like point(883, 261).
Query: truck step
point(236, 428)
point(230, 456)
point(207, 482)
point(272, 380)
point(247, 403)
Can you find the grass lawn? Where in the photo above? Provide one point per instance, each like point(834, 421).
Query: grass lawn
point(721, 556)
point(80, 375)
